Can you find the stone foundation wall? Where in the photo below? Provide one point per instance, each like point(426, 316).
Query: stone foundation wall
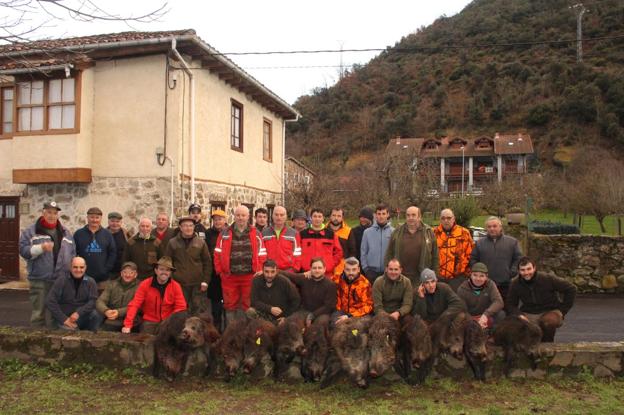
point(595, 264)
point(119, 351)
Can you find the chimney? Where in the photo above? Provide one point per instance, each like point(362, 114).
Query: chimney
point(398, 140)
point(519, 136)
point(496, 136)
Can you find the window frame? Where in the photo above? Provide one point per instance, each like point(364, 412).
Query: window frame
point(267, 122)
point(235, 104)
point(3, 86)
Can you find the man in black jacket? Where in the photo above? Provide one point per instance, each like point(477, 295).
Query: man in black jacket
point(539, 298)
point(97, 246)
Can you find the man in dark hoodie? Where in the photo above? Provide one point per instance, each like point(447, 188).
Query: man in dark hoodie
point(366, 220)
point(72, 299)
point(431, 299)
point(48, 248)
point(97, 246)
point(540, 297)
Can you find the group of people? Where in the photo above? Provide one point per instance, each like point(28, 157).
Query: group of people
point(268, 269)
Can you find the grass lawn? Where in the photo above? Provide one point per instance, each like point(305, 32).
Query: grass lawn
point(27, 388)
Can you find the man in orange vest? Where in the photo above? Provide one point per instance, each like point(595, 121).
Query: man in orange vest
point(454, 248)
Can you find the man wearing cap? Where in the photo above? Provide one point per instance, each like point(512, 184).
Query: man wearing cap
point(142, 250)
point(454, 248)
point(191, 258)
point(375, 242)
point(282, 243)
point(392, 292)
point(120, 235)
point(431, 298)
point(71, 299)
point(162, 232)
point(261, 219)
point(97, 246)
point(157, 297)
point(299, 220)
point(215, 294)
point(48, 248)
point(112, 304)
point(194, 211)
point(482, 299)
point(366, 220)
point(238, 256)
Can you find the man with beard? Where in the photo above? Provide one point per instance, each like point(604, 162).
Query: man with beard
point(273, 297)
point(354, 293)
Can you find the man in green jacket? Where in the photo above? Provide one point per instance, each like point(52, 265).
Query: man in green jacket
point(142, 249)
point(414, 245)
point(112, 304)
point(392, 292)
point(431, 299)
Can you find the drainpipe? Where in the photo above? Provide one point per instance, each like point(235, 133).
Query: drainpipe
point(187, 69)
point(284, 156)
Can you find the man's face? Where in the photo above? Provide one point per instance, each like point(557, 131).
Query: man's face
point(365, 221)
point(187, 228)
point(447, 220)
point(269, 274)
point(317, 219)
point(299, 224)
point(336, 217)
point(317, 269)
point(128, 274)
point(94, 220)
point(196, 215)
point(162, 222)
point(114, 225)
point(279, 217)
point(50, 215)
point(352, 271)
point(218, 222)
point(241, 217)
point(261, 219)
point(78, 268)
point(494, 228)
point(478, 278)
point(412, 216)
point(527, 271)
point(430, 286)
point(381, 216)
point(145, 227)
point(393, 270)
point(162, 274)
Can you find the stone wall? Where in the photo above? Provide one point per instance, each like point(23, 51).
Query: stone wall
point(593, 263)
point(119, 351)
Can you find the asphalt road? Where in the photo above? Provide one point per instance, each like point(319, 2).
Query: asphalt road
point(593, 318)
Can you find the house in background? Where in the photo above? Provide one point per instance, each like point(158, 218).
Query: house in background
point(468, 163)
point(297, 174)
point(136, 122)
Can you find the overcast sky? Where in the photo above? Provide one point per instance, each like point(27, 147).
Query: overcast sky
point(270, 25)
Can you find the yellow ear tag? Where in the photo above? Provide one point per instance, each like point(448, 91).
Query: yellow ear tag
point(354, 332)
point(258, 341)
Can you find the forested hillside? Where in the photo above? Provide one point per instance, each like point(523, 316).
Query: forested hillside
point(449, 79)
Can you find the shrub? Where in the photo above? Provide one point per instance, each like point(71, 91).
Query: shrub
point(553, 228)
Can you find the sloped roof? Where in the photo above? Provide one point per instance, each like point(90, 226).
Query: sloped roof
point(300, 164)
point(520, 144)
point(513, 144)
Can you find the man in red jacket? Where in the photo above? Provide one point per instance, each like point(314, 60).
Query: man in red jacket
point(158, 297)
point(320, 241)
point(237, 257)
point(282, 242)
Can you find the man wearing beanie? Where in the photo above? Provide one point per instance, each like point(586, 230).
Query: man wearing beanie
point(481, 296)
point(392, 292)
point(299, 220)
point(375, 242)
point(432, 298)
point(366, 220)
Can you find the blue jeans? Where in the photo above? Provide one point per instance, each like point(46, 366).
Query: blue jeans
point(89, 321)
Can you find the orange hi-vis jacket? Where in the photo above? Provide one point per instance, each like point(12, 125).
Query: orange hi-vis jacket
point(454, 250)
point(355, 298)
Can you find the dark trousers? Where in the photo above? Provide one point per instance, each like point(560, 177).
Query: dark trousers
point(215, 294)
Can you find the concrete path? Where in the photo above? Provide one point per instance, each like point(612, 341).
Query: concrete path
point(593, 318)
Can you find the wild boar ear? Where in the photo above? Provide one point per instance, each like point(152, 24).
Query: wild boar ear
point(210, 333)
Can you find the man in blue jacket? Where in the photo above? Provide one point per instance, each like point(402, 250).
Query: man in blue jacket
point(48, 248)
point(374, 244)
point(72, 299)
point(97, 246)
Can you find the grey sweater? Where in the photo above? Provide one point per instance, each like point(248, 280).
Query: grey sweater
point(501, 256)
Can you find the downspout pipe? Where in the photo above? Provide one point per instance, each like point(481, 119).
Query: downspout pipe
point(297, 116)
point(187, 69)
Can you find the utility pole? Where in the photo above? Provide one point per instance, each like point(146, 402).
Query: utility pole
point(341, 74)
point(580, 11)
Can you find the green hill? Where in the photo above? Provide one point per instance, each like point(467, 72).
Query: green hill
point(445, 80)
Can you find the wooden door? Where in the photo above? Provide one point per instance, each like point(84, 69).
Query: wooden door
point(9, 237)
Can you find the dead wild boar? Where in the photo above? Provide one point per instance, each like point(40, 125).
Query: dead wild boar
point(231, 346)
point(383, 338)
point(447, 334)
point(349, 352)
point(415, 350)
point(517, 335)
point(316, 342)
point(475, 339)
point(177, 337)
point(289, 341)
point(259, 343)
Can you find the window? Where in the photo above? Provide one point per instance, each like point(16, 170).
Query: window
point(6, 111)
point(236, 139)
point(267, 140)
point(44, 105)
